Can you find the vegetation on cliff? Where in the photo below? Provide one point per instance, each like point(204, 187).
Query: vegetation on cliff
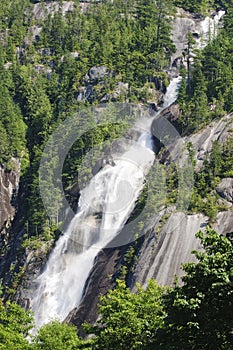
point(45, 61)
point(193, 316)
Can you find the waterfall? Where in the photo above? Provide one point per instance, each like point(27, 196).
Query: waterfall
point(104, 207)
point(208, 30)
point(205, 29)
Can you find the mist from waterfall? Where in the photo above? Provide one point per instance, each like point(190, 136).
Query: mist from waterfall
point(104, 207)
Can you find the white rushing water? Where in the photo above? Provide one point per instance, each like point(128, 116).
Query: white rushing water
point(209, 29)
point(104, 207)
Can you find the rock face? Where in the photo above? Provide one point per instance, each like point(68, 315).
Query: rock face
point(172, 113)
point(202, 141)
point(94, 79)
point(224, 222)
point(95, 86)
point(96, 74)
point(201, 29)
point(9, 185)
point(40, 9)
point(163, 248)
point(181, 26)
point(101, 279)
point(120, 89)
point(159, 256)
point(225, 189)
point(32, 265)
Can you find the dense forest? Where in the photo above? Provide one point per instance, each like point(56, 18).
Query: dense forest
point(45, 63)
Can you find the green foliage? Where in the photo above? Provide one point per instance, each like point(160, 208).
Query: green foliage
point(200, 311)
point(192, 316)
point(15, 324)
point(57, 336)
point(208, 92)
point(12, 125)
point(128, 320)
point(204, 197)
point(40, 79)
point(199, 6)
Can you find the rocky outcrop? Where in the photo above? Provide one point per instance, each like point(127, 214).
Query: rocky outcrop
point(120, 90)
point(202, 141)
point(42, 8)
point(159, 256)
point(162, 254)
point(97, 74)
point(224, 222)
point(32, 261)
point(225, 189)
point(9, 185)
point(202, 29)
point(94, 84)
point(171, 113)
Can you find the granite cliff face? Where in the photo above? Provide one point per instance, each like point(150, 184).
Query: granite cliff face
point(9, 186)
point(159, 255)
point(167, 243)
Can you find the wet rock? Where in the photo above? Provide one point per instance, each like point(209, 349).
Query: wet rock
point(172, 112)
point(100, 164)
point(154, 106)
point(159, 84)
point(101, 279)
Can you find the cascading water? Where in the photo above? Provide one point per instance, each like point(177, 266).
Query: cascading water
point(104, 207)
point(209, 27)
